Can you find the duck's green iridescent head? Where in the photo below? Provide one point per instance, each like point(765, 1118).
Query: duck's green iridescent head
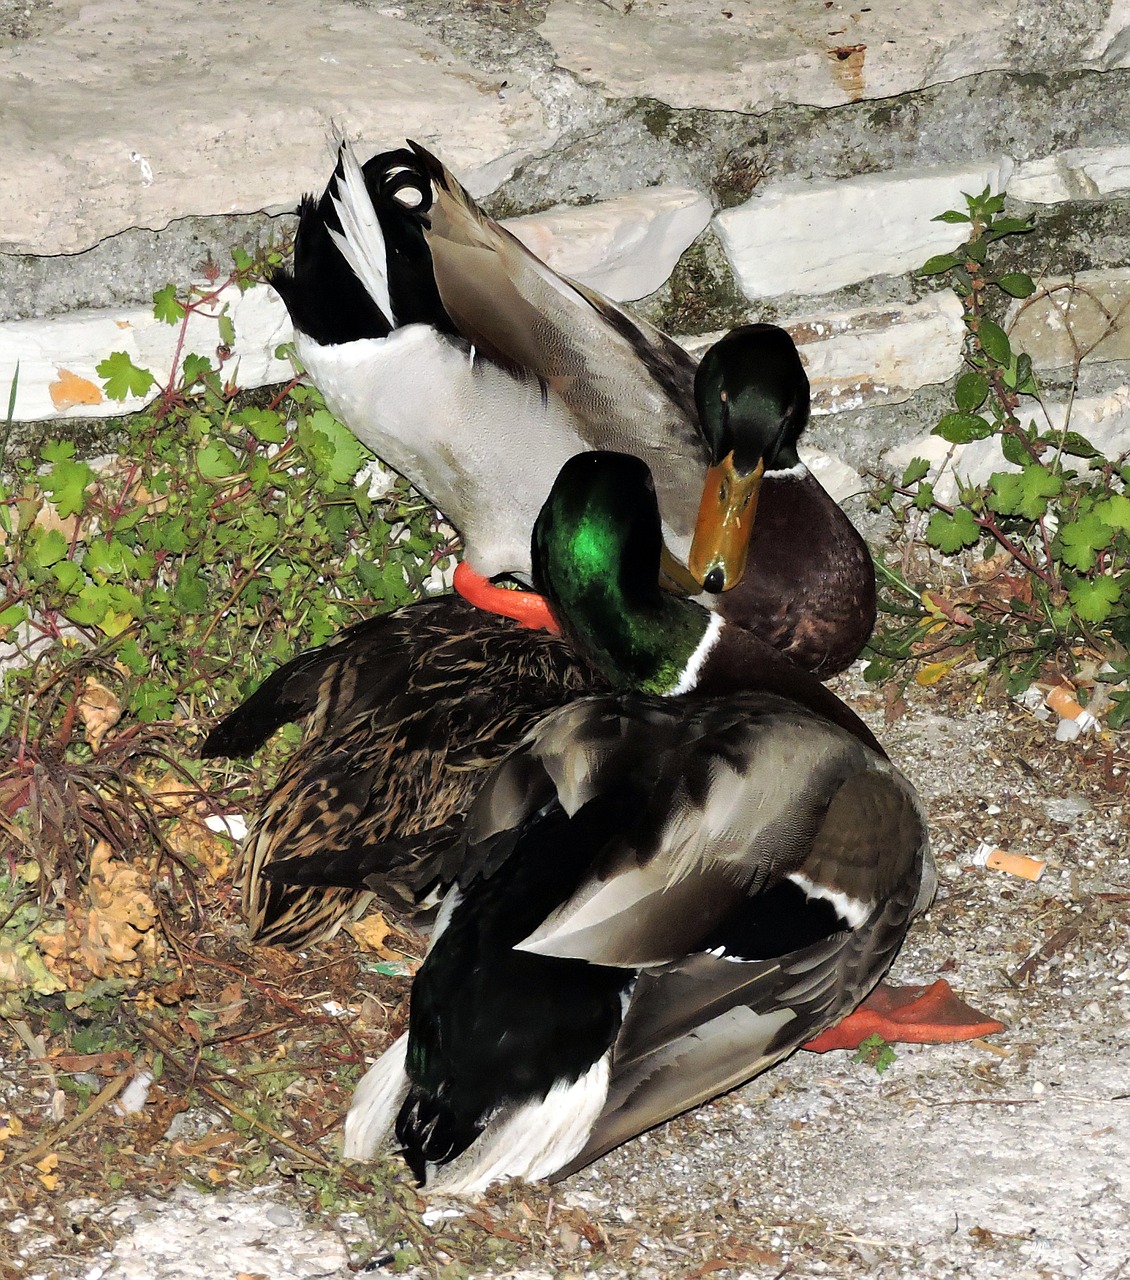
point(595, 552)
point(753, 401)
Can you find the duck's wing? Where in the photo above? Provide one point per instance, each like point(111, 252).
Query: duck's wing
point(408, 713)
point(709, 1023)
point(735, 795)
point(630, 387)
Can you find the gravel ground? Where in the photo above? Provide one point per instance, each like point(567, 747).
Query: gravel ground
point(1000, 1158)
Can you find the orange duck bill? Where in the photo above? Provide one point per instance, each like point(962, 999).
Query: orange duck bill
point(908, 1015)
point(725, 525)
point(526, 607)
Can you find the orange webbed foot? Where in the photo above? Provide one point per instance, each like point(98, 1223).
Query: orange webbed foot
point(909, 1015)
point(527, 608)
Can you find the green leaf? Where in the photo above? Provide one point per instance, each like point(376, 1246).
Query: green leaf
point(165, 305)
point(1119, 714)
point(918, 468)
point(1016, 284)
point(45, 548)
point(1025, 493)
point(227, 330)
point(1014, 451)
point(67, 483)
point(216, 461)
point(924, 498)
point(195, 368)
point(122, 378)
point(970, 392)
point(976, 250)
point(940, 262)
point(1009, 227)
point(265, 425)
point(994, 343)
point(1115, 511)
point(961, 428)
point(12, 616)
point(950, 215)
point(346, 454)
point(1076, 445)
point(1080, 541)
point(1094, 598)
point(950, 533)
point(242, 259)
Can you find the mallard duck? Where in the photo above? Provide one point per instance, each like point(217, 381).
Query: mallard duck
point(475, 370)
point(658, 896)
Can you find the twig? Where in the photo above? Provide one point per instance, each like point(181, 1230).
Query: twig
point(107, 1095)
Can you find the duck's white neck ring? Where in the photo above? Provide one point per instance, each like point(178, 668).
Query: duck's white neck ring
point(693, 669)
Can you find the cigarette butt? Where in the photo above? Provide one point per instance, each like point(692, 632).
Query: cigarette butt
point(1065, 706)
point(1016, 864)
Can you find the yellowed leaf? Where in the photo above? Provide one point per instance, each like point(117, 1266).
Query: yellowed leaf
point(100, 711)
point(70, 389)
point(48, 1164)
point(49, 1180)
point(932, 672)
point(370, 934)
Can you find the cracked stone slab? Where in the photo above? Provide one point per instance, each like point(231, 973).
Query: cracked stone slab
point(1104, 420)
point(813, 236)
point(125, 113)
point(1079, 173)
point(625, 247)
point(1089, 313)
point(753, 55)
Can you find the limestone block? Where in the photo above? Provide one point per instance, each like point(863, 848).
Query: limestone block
point(841, 481)
point(58, 357)
point(1081, 173)
point(1104, 420)
point(750, 55)
point(1089, 314)
point(872, 355)
point(814, 236)
point(625, 247)
point(134, 112)
point(879, 355)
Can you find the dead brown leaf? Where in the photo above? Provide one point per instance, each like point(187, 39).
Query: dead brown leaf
point(114, 935)
point(370, 934)
point(99, 709)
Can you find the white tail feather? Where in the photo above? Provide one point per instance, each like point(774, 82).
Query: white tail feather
point(363, 244)
point(532, 1140)
point(376, 1101)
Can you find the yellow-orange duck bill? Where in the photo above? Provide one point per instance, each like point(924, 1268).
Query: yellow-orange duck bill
point(725, 523)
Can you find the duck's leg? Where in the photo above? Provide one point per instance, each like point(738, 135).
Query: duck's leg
point(526, 607)
point(911, 1015)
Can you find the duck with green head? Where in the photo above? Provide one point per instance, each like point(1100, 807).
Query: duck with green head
point(474, 369)
point(658, 896)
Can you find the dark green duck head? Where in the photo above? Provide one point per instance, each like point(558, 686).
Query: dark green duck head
point(596, 549)
point(753, 402)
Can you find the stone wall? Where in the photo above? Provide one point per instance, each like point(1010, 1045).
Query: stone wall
point(779, 159)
